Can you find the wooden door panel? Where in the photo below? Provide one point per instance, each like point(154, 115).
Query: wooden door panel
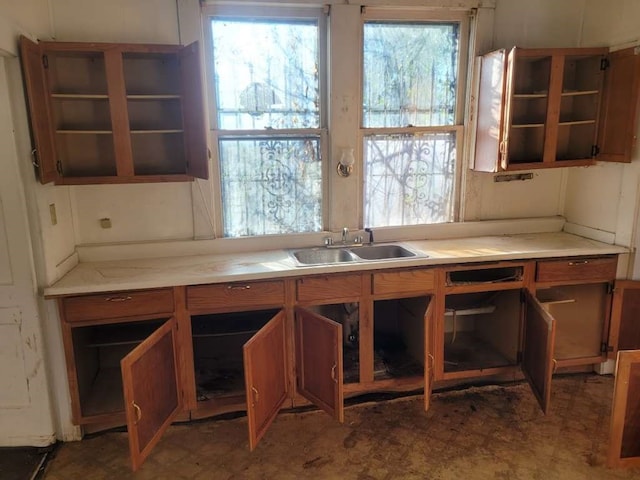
point(624, 445)
point(38, 98)
point(193, 112)
point(265, 373)
point(624, 333)
point(319, 361)
point(619, 111)
point(151, 390)
point(490, 111)
point(539, 344)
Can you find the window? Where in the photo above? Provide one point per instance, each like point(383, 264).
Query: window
point(410, 120)
point(269, 122)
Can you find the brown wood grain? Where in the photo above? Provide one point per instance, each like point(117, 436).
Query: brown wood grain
point(232, 297)
point(404, 282)
point(579, 269)
point(328, 288)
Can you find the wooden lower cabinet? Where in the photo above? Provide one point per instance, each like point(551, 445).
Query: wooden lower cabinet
point(144, 357)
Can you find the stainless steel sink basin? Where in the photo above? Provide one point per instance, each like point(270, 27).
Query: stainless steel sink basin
point(323, 256)
point(382, 252)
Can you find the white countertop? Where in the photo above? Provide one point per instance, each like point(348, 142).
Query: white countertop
point(109, 276)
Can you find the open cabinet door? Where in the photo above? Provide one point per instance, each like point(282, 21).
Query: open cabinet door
point(624, 445)
point(537, 355)
point(319, 362)
point(151, 390)
point(490, 110)
point(624, 331)
point(195, 134)
point(620, 105)
point(265, 376)
point(429, 367)
point(38, 98)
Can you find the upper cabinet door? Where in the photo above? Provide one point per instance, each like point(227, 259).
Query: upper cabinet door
point(624, 332)
point(624, 445)
point(151, 390)
point(621, 102)
point(319, 361)
point(429, 361)
point(490, 110)
point(265, 376)
point(193, 112)
point(41, 127)
point(537, 356)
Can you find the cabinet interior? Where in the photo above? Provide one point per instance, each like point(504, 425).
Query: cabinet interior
point(580, 312)
point(399, 332)
point(98, 350)
point(217, 351)
point(481, 330)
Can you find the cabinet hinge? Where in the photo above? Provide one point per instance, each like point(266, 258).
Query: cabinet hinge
point(610, 288)
point(45, 61)
point(605, 348)
point(59, 168)
point(595, 150)
point(604, 64)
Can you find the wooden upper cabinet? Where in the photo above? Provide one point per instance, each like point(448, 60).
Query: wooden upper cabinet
point(115, 113)
point(541, 108)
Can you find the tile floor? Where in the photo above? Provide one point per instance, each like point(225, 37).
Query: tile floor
point(495, 432)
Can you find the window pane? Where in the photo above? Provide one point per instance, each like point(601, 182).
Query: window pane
point(410, 74)
point(409, 179)
point(266, 74)
point(271, 186)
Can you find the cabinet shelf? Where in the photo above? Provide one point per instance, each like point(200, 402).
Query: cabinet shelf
point(528, 125)
point(530, 95)
point(577, 122)
point(142, 132)
point(79, 96)
point(85, 132)
point(154, 97)
point(578, 93)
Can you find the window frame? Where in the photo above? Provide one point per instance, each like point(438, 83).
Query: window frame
point(264, 13)
point(415, 15)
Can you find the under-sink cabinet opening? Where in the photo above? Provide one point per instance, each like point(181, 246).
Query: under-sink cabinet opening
point(482, 330)
point(399, 337)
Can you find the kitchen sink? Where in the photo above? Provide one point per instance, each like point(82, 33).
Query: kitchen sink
point(323, 256)
point(361, 253)
point(382, 252)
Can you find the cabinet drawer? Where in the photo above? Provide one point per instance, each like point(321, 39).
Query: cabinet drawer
point(232, 296)
point(581, 269)
point(118, 304)
point(403, 281)
point(325, 288)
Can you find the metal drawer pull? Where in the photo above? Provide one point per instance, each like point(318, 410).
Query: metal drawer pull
point(138, 412)
point(333, 373)
point(118, 299)
point(578, 262)
point(256, 395)
point(239, 287)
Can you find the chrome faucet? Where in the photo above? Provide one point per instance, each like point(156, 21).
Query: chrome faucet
point(369, 230)
point(345, 235)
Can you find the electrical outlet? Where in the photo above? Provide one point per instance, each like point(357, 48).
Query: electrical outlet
point(105, 222)
point(53, 214)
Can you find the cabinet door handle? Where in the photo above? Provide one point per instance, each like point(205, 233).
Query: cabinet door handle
point(239, 287)
point(555, 365)
point(578, 262)
point(138, 412)
point(431, 366)
point(333, 373)
point(256, 395)
point(118, 299)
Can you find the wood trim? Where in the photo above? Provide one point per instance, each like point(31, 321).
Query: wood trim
point(366, 330)
point(119, 112)
point(553, 109)
point(429, 359)
point(625, 308)
point(186, 366)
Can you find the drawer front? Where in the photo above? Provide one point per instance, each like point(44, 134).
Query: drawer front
point(580, 269)
point(233, 296)
point(325, 288)
point(403, 281)
point(118, 304)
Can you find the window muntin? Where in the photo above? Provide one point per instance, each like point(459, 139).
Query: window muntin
point(409, 116)
point(268, 101)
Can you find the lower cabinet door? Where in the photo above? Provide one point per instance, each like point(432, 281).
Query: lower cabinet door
point(624, 445)
point(624, 333)
point(539, 344)
point(429, 362)
point(265, 376)
point(319, 361)
point(151, 390)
